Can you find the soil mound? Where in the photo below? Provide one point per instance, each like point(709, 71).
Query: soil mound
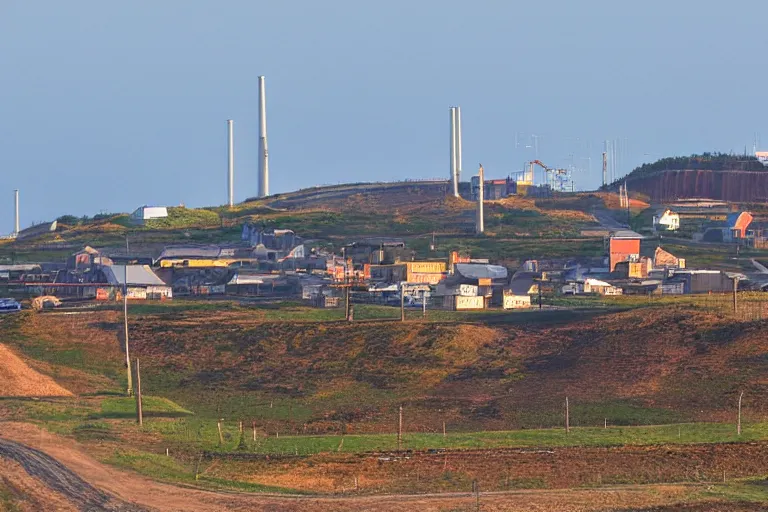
point(18, 379)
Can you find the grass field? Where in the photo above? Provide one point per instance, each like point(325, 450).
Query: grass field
point(204, 435)
point(664, 373)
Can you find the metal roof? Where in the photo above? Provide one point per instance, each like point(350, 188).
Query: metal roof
point(520, 285)
point(480, 271)
point(627, 234)
point(191, 251)
point(140, 275)
point(19, 268)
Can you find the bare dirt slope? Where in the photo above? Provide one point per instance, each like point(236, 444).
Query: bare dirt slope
point(63, 467)
point(18, 379)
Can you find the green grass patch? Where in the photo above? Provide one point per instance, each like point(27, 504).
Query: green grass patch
point(180, 217)
point(204, 435)
point(180, 306)
point(93, 431)
point(165, 468)
point(749, 491)
point(125, 407)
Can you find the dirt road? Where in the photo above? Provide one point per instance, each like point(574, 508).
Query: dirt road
point(61, 480)
point(66, 470)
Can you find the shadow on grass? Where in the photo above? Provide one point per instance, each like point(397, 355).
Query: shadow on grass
point(122, 415)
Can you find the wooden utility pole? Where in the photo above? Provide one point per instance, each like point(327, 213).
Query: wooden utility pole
point(567, 417)
point(129, 392)
point(139, 410)
point(738, 425)
point(221, 437)
point(402, 302)
point(400, 430)
point(539, 281)
point(346, 303)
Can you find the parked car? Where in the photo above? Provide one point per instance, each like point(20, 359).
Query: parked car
point(9, 305)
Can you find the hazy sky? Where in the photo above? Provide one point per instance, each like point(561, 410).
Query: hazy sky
point(105, 106)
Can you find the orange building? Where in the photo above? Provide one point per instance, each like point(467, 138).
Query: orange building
point(624, 246)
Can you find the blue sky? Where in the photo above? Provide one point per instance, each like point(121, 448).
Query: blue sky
point(105, 106)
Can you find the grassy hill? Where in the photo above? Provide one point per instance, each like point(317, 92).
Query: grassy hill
point(337, 214)
point(323, 395)
point(479, 371)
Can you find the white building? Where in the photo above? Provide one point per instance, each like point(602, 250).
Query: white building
point(601, 287)
point(666, 221)
point(146, 213)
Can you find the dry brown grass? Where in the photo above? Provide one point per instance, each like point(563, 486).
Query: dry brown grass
point(18, 379)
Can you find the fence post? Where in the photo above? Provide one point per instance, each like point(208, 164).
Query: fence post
point(738, 426)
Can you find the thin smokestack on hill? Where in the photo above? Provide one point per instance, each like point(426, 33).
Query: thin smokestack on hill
point(263, 151)
point(230, 164)
point(458, 147)
point(480, 223)
point(16, 203)
point(455, 148)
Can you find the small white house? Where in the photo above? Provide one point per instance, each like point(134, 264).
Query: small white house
point(516, 301)
point(146, 213)
point(601, 287)
point(666, 221)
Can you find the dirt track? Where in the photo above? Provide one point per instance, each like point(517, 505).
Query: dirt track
point(63, 467)
point(60, 479)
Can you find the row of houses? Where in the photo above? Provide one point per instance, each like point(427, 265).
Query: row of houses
point(280, 263)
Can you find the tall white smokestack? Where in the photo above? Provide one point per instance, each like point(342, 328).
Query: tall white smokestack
point(263, 151)
point(458, 147)
point(16, 201)
point(231, 163)
point(480, 225)
point(454, 152)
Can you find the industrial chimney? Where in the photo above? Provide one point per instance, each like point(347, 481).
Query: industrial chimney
point(263, 151)
point(480, 198)
point(230, 164)
point(453, 150)
point(16, 201)
point(455, 146)
point(458, 145)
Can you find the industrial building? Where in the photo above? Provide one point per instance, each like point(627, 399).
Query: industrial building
point(624, 245)
point(145, 213)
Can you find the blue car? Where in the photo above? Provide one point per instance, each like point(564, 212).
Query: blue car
point(9, 305)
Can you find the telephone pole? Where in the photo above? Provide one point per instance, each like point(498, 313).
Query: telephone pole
point(139, 409)
point(129, 392)
point(402, 302)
